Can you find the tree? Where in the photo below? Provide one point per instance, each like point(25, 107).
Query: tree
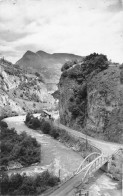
point(37, 74)
point(54, 132)
point(3, 124)
point(27, 185)
point(35, 123)
point(46, 127)
point(96, 60)
point(18, 148)
point(121, 76)
point(68, 64)
point(28, 117)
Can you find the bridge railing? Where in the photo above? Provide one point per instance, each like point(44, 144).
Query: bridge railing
point(86, 161)
point(96, 164)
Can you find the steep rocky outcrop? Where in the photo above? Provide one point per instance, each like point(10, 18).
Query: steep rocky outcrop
point(7, 81)
point(91, 100)
point(9, 107)
point(21, 92)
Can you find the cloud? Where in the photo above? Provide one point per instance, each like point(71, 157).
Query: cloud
point(72, 26)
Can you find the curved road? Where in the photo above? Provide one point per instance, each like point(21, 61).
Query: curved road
point(107, 148)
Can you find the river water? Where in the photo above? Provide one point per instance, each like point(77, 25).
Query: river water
point(102, 185)
point(63, 160)
point(54, 155)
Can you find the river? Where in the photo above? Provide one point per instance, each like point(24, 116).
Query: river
point(103, 185)
point(57, 157)
point(54, 155)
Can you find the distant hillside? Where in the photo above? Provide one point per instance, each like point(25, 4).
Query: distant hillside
point(22, 92)
point(49, 65)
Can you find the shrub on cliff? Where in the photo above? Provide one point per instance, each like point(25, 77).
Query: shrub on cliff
point(76, 73)
point(37, 74)
point(56, 94)
point(80, 92)
point(74, 109)
point(68, 64)
point(121, 76)
point(65, 74)
point(78, 102)
point(91, 63)
point(34, 97)
point(95, 60)
point(121, 66)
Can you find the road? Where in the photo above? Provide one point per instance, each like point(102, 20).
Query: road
point(107, 148)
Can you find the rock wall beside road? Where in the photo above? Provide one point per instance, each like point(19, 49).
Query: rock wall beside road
point(94, 103)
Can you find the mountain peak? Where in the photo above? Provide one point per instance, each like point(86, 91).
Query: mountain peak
point(47, 64)
point(29, 52)
point(43, 53)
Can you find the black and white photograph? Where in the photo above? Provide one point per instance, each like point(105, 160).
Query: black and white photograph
point(61, 97)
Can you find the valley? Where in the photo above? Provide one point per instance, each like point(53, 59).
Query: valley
point(61, 98)
point(84, 115)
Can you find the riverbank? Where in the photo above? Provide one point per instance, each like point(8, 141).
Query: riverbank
point(47, 126)
point(55, 156)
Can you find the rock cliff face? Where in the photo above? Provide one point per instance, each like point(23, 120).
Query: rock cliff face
point(21, 92)
point(105, 101)
point(9, 107)
point(93, 104)
point(66, 88)
point(7, 81)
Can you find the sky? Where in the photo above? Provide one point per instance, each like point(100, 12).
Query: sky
point(67, 26)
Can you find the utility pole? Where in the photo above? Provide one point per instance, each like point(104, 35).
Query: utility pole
point(59, 173)
point(86, 142)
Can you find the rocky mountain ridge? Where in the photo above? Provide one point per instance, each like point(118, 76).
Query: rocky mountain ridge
point(49, 65)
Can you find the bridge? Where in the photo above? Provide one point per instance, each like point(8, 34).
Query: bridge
point(86, 161)
point(89, 165)
point(100, 161)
